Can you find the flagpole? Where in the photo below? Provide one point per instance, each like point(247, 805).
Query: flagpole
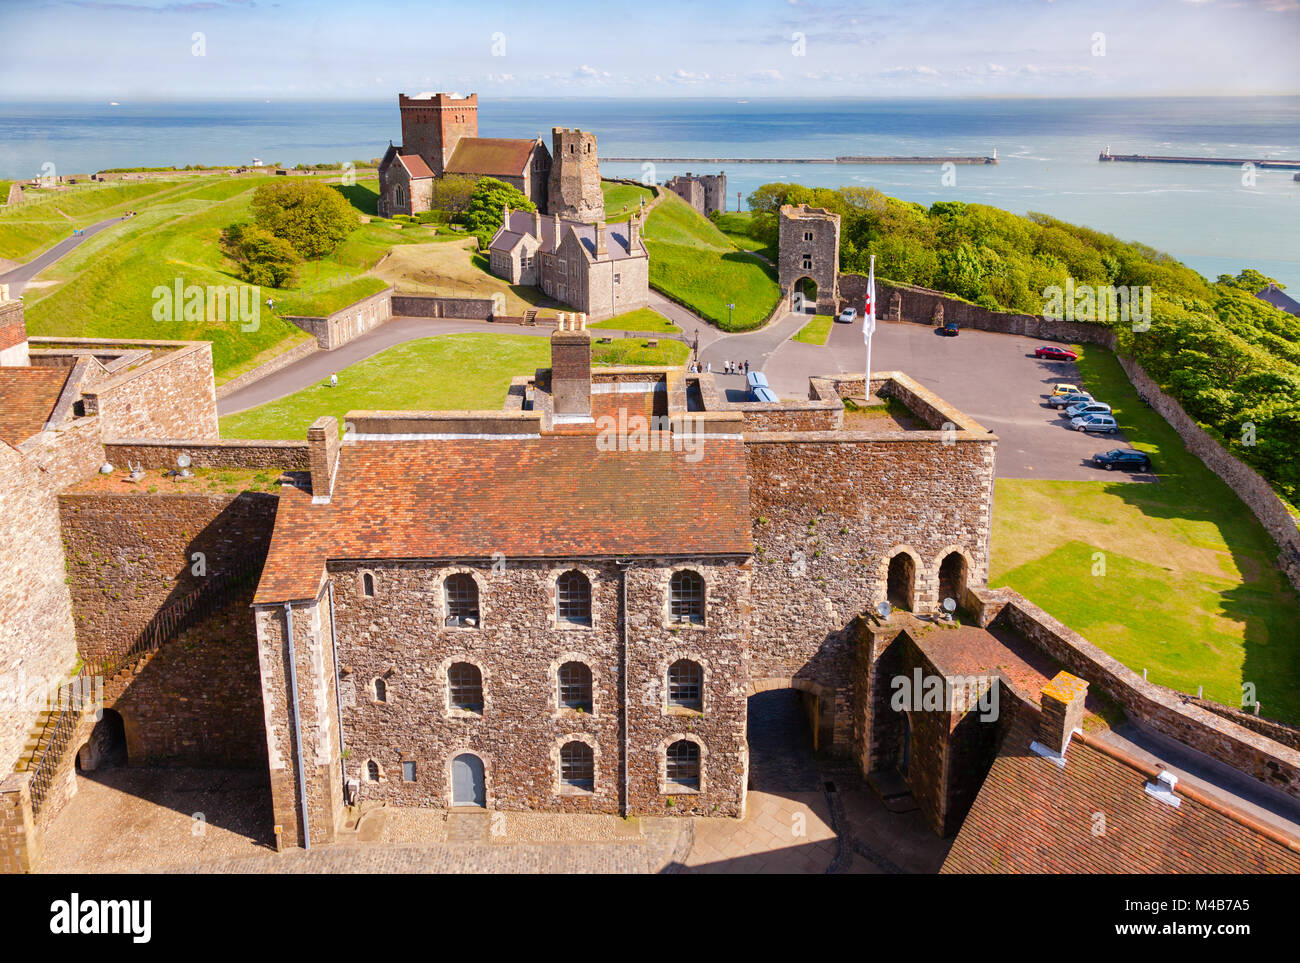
point(868, 324)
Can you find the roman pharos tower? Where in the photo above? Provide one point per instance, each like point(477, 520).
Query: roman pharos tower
point(575, 176)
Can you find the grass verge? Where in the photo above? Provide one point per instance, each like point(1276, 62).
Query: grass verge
point(816, 331)
point(1177, 578)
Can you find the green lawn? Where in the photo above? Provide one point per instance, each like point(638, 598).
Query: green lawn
point(815, 331)
point(735, 224)
point(105, 287)
point(695, 263)
point(642, 319)
point(623, 200)
point(1189, 592)
point(452, 371)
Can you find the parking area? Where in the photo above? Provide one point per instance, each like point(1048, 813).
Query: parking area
point(993, 377)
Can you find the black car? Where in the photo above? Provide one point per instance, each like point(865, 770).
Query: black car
point(950, 329)
point(1122, 458)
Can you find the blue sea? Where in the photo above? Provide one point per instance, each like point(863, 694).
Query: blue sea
point(1205, 216)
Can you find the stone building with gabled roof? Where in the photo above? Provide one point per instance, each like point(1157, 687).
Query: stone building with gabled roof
point(600, 269)
point(405, 183)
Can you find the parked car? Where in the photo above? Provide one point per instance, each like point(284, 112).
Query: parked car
point(1087, 408)
point(1122, 458)
point(1074, 398)
point(1064, 389)
point(1055, 353)
point(950, 329)
point(756, 381)
point(848, 315)
point(1104, 424)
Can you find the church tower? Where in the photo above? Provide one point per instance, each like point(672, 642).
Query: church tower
point(432, 124)
point(575, 176)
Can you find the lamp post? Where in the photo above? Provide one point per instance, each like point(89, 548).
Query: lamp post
point(730, 308)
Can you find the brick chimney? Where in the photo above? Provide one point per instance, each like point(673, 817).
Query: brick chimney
point(571, 370)
point(13, 331)
point(323, 457)
point(1062, 702)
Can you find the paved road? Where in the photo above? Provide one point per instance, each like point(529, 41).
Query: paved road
point(18, 277)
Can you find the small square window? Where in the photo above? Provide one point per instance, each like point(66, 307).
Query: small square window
point(408, 772)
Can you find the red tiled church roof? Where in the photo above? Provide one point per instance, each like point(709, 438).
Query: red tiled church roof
point(415, 165)
point(551, 496)
point(493, 156)
point(27, 399)
point(1032, 816)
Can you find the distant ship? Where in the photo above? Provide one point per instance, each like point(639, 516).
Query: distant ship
point(114, 103)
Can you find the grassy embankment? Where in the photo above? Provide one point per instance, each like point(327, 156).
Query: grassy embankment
point(623, 200)
point(1190, 591)
point(104, 288)
point(693, 262)
point(454, 371)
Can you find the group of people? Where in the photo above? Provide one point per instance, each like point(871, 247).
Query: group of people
point(728, 367)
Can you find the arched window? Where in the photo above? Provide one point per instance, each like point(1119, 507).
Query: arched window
point(368, 584)
point(684, 765)
point(573, 598)
point(372, 771)
point(686, 598)
point(462, 601)
point(686, 685)
point(381, 690)
point(465, 687)
point(577, 767)
point(575, 686)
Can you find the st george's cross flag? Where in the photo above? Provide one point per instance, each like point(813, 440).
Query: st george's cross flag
point(869, 310)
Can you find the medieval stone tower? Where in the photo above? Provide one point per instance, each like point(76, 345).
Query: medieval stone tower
point(433, 123)
point(575, 176)
point(809, 250)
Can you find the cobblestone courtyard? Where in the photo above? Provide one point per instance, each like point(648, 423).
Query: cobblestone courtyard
point(803, 816)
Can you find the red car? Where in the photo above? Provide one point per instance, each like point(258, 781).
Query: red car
point(1056, 353)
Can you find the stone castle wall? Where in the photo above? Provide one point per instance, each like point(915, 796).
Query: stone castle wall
point(574, 189)
point(130, 555)
point(398, 636)
point(37, 638)
point(207, 453)
point(348, 323)
point(169, 397)
point(829, 512)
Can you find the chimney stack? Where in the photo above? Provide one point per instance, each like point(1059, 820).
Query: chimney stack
point(633, 232)
point(571, 370)
point(537, 225)
point(323, 457)
point(13, 331)
point(1062, 703)
point(601, 248)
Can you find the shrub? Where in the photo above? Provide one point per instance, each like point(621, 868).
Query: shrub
point(311, 216)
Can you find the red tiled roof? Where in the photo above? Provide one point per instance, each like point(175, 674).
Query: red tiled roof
point(415, 165)
point(27, 399)
point(1031, 816)
point(552, 496)
point(494, 156)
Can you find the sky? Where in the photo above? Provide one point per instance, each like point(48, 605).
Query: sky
point(330, 49)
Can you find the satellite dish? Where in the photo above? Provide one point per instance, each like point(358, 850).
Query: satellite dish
point(183, 461)
point(883, 610)
point(106, 469)
point(950, 606)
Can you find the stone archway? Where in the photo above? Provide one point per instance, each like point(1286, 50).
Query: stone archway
point(900, 582)
point(953, 574)
point(107, 746)
point(803, 296)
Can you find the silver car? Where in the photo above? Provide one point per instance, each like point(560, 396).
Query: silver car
point(1087, 408)
point(1104, 424)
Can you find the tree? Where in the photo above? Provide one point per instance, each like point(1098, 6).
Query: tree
point(486, 205)
point(311, 216)
point(263, 258)
point(453, 192)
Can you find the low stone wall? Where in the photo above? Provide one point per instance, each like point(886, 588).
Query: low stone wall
point(432, 306)
point(301, 350)
point(204, 453)
point(792, 416)
point(1168, 712)
point(1249, 485)
point(919, 304)
point(349, 323)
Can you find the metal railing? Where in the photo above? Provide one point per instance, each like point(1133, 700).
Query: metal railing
point(166, 624)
